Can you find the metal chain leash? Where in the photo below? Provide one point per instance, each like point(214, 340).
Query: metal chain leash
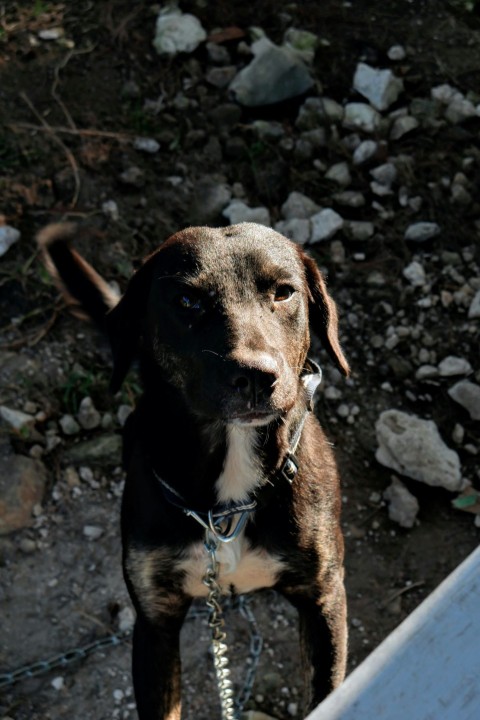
point(25, 672)
point(217, 623)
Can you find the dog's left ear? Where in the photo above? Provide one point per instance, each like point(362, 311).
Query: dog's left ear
point(126, 321)
point(323, 313)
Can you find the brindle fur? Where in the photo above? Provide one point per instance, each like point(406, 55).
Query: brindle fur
point(233, 360)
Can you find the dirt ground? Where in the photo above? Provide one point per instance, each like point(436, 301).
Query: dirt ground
point(70, 109)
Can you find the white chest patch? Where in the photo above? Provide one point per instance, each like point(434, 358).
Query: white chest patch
point(240, 567)
point(241, 472)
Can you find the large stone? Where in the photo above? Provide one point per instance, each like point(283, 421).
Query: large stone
point(380, 87)
point(22, 485)
point(360, 116)
point(296, 229)
point(275, 74)
point(298, 206)
point(105, 448)
point(325, 224)
point(413, 447)
point(421, 231)
point(467, 394)
point(177, 32)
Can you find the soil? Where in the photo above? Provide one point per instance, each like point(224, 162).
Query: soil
point(61, 584)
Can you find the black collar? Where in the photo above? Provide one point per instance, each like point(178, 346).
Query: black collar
point(220, 518)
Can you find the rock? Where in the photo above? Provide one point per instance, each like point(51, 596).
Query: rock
point(92, 532)
point(69, 425)
point(123, 412)
point(268, 130)
point(426, 372)
point(460, 109)
point(421, 231)
point(58, 682)
point(396, 53)
point(325, 224)
point(403, 507)
point(146, 145)
point(50, 34)
point(8, 236)
point(360, 229)
point(133, 176)
point(16, 419)
point(218, 53)
point(452, 365)
point(474, 309)
point(413, 447)
point(177, 32)
point(360, 116)
point(220, 77)
point(126, 619)
point(238, 212)
point(297, 229)
point(415, 274)
point(88, 416)
point(105, 448)
point(350, 198)
point(445, 93)
point(110, 209)
point(467, 394)
point(339, 173)
point(385, 174)
point(364, 151)
point(302, 43)
point(380, 87)
point(298, 206)
point(403, 125)
point(460, 195)
point(22, 485)
point(275, 74)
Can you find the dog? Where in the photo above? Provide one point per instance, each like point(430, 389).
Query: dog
point(223, 440)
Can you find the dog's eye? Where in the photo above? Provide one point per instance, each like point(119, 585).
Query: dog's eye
point(283, 293)
point(189, 302)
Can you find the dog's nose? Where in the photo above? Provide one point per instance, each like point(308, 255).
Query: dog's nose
point(253, 382)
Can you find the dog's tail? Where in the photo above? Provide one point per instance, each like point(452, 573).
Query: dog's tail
point(82, 287)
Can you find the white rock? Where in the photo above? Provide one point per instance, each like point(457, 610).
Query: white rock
point(126, 619)
point(458, 433)
point(8, 236)
point(452, 365)
point(459, 110)
point(69, 425)
point(238, 212)
point(426, 372)
point(110, 209)
point(298, 205)
point(379, 189)
point(403, 507)
point(302, 42)
point(413, 447)
point(467, 394)
point(350, 198)
point(445, 93)
point(360, 229)
point(333, 110)
point(415, 274)
point(360, 116)
point(339, 173)
point(51, 33)
point(380, 87)
point(92, 532)
point(297, 229)
point(88, 416)
point(402, 126)
point(123, 412)
point(16, 419)
point(364, 151)
point(474, 309)
point(147, 145)
point(177, 32)
point(385, 174)
point(58, 682)
point(275, 74)
point(396, 53)
point(421, 231)
point(325, 224)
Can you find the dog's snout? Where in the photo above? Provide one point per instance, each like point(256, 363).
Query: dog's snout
point(253, 382)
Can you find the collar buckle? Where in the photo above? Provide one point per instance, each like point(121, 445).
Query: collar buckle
point(289, 468)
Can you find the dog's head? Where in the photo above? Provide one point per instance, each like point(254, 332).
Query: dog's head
point(224, 314)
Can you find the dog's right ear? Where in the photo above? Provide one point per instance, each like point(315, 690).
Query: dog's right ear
point(126, 321)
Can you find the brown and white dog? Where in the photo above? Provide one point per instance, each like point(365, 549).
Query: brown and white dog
point(220, 320)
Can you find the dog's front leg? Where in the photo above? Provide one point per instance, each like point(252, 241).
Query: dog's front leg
point(323, 638)
point(156, 666)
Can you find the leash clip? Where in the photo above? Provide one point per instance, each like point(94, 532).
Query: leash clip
point(289, 468)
